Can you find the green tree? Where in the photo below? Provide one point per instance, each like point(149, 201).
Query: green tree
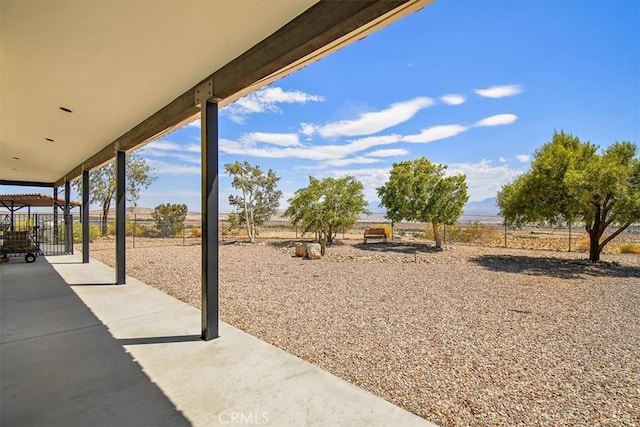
point(169, 218)
point(418, 190)
point(102, 184)
point(327, 206)
point(572, 181)
point(259, 198)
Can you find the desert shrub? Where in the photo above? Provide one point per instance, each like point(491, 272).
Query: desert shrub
point(229, 229)
point(24, 224)
point(135, 228)
point(196, 232)
point(475, 232)
point(94, 232)
point(152, 232)
point(140, 229)
point(630, 248)
point(582, 245)
point(427, 234)
point(170, 218)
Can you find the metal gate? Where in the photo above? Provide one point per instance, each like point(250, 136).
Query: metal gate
point(53, 233)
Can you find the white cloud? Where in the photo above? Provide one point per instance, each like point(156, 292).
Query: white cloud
point(453, 99)
point(273, 95)
point(280, 139)
point(499, 91)
point(163, 145)
point(309, 167)
point(351, 161)
point(392, 152)
point(307, 129)
point(266, 100)
point(483, 178)
point(317, 152)
point(523, 157)
point(435, 133)
point(497, 120)
point(188, 153)
point(502, 160)
point(373, 122)
point(288, 145)
point(161, 167)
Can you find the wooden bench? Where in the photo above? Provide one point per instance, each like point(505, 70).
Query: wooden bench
point(375, 233)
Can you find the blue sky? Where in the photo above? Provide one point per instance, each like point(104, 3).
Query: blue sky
point(478, 86)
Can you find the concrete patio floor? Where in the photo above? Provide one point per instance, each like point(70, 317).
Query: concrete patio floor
point(76, 350)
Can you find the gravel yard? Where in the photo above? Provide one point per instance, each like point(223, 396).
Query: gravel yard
point(466, 336)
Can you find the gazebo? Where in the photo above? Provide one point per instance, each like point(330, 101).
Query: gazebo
point(44, 226)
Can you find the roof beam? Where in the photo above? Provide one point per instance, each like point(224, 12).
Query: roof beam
point(324, 23)
point(27, 183)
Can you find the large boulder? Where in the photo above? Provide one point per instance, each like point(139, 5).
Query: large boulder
point(314, 251)
point(308, 250)
point(301, 249)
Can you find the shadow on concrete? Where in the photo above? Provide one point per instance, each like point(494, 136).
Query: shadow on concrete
point(554, 267)
point(95, 284)
point(158, 340)
point(66, 262)
point(60, 364)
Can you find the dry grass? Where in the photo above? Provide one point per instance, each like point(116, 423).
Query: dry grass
point(466, 336)
point(630, 248)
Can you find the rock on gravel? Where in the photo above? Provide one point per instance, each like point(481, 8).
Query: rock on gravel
point(466, 336)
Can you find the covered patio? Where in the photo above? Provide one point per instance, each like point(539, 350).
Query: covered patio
point(83, 84)
point(77, 350)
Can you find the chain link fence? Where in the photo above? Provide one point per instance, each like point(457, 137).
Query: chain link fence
point(483, 230)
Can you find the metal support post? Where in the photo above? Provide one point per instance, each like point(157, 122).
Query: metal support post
point(121, 216)
point(85, 217)
point(68, 222)
point(55, 215)
point(209, 126)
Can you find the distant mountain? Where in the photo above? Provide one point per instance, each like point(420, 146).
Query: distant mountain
point(376, 210)
point(481, 209)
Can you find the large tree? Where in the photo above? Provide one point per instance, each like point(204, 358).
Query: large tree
point(572, 181)
point(259, 198)
point(418, 190)
point(327, 206)
point(170, 218)
point(102, 184)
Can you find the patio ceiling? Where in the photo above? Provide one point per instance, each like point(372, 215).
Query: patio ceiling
point(129, 70)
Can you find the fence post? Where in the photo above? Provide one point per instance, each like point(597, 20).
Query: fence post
point(135, 228)
point(569, 237)
point(444, 233)
point(36, 230)
point(505, 234)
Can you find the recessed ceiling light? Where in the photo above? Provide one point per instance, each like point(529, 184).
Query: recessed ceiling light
point(66, 110)
point(16, 158)
point(49, 139)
